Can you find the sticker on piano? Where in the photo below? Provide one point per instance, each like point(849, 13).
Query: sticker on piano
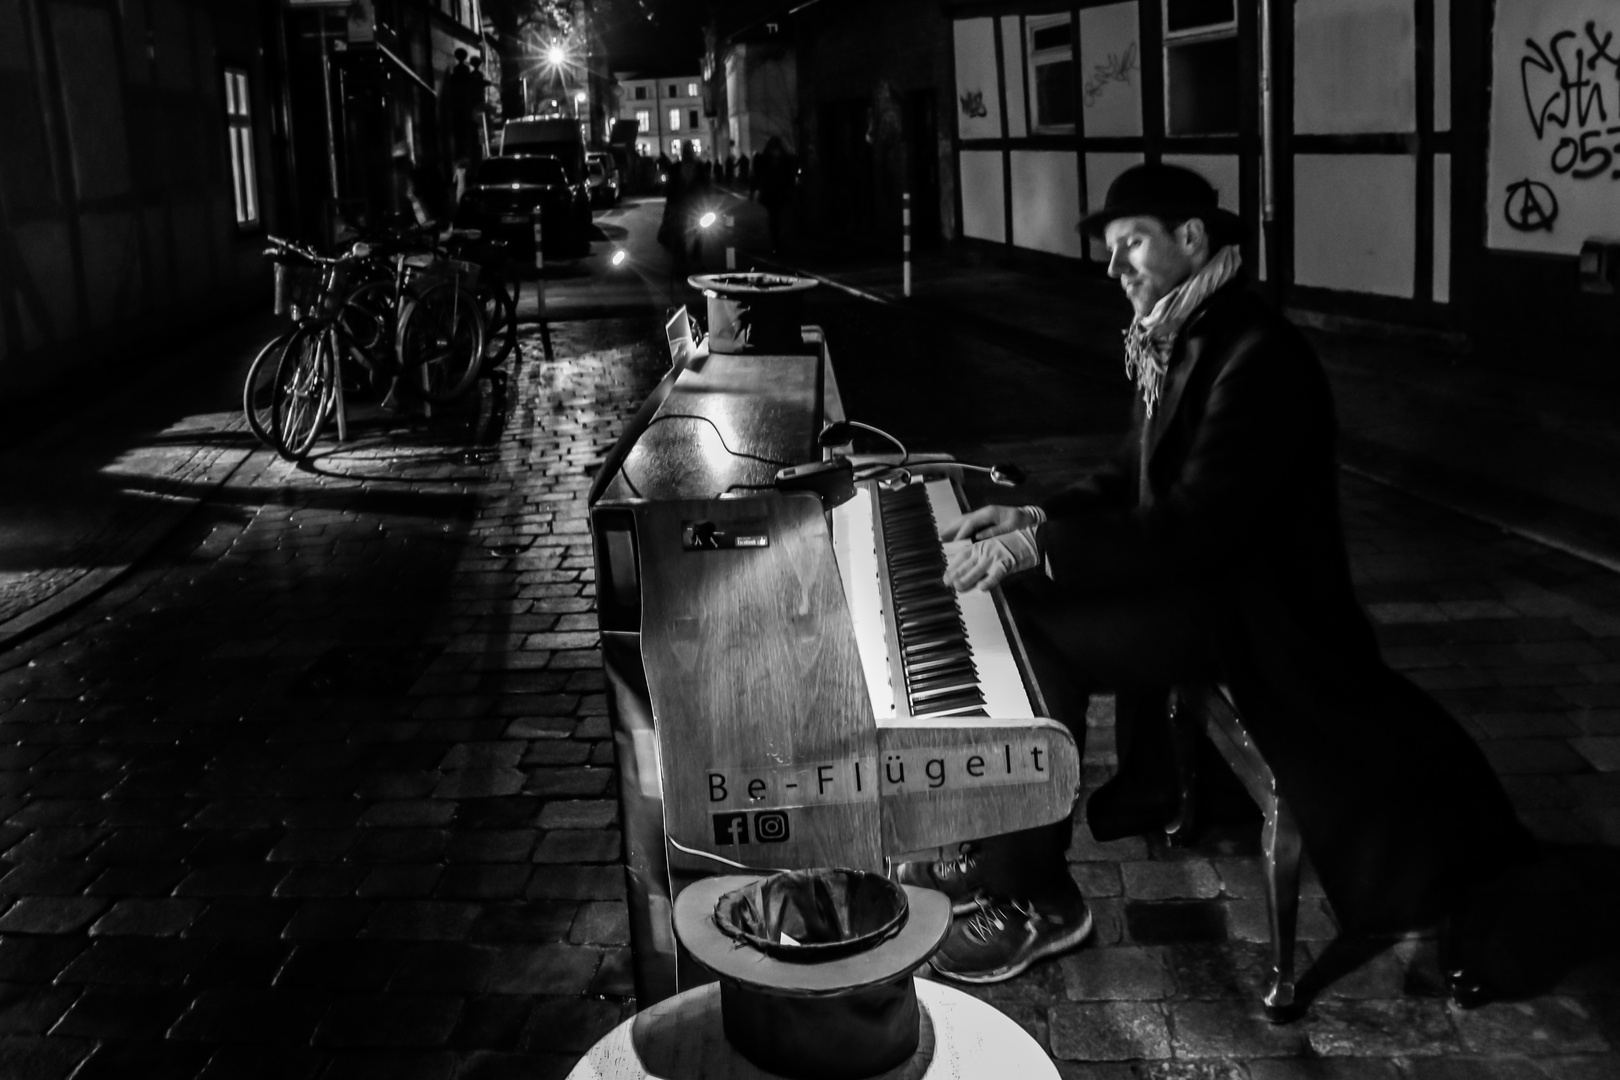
point(760, 827)
point(922, 769)
point(724, 535)
point(817, 783)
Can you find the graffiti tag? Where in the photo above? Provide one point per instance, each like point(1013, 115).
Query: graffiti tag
point(973, 104)
point(1117, 68)
point(1564, 99)
point(1530, 206)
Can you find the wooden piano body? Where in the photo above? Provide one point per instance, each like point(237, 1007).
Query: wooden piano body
point(746, 720)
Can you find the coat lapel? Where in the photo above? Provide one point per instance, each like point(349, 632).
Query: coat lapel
point(1192, 347)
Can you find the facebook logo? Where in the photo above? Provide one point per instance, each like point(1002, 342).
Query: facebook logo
point(730, 828)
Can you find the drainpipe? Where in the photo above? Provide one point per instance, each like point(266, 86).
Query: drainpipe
point(1268, 143)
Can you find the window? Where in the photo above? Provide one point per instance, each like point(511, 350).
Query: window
point(691, 89)
point(1050, 43)
point(641, 93)
point(674, 119)
point(1202, 68)
point(239, 128)
point(691, 118)
point(697, 146)
point(643, 120)
point(675, 148)
point(674, 91)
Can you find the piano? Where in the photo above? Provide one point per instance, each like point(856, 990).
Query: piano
point(790, 684)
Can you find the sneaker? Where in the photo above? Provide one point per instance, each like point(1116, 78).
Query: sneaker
point(1003, 938)
point(957, 878)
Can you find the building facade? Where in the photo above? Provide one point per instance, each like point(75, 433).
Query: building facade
point(668, 112)
point(150, 145)
point(761, 98)
point(1436, 163)
point(140, 169)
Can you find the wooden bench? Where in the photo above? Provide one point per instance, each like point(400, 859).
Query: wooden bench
point(1207, 708)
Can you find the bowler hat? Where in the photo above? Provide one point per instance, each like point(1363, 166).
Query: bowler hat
point(1163, 191)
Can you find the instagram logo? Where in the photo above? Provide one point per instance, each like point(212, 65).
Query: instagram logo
point(770, 827)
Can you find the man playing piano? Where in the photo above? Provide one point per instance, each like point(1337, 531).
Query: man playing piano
point(1212, 548)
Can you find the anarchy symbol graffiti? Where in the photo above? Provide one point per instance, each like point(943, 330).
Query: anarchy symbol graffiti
point(1530, 206)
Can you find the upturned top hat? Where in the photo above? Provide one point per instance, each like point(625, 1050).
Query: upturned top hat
point(1164, 191)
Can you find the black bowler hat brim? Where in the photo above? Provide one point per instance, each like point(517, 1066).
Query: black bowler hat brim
point(1095, 222)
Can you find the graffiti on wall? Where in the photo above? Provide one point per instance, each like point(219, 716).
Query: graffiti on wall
point(1111, 63)
point(973, 104)
point(1555, 126)
point(1118, 67)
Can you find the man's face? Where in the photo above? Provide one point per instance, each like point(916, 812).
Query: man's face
point(1149, 259)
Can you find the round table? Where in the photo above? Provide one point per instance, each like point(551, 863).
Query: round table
point(680, 1038)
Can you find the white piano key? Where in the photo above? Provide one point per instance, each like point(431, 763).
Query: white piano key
point(855, 547)
point(1005, 697)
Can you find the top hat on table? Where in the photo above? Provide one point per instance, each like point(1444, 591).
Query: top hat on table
point(1164, 191)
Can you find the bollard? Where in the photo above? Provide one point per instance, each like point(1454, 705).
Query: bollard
point(731, 242)
point(905, 243)
point(539, 264)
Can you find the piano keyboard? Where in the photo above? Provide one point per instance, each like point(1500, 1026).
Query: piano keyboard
point(927, 650)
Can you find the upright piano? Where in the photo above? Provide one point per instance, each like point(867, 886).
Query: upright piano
point(790, 684)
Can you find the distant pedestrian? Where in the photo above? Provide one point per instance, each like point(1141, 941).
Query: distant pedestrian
point(775, 175)
point(742, 170)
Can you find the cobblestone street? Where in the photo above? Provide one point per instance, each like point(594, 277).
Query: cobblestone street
point(324, 787)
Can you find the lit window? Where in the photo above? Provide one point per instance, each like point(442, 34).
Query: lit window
point(674, 119)
point(697, 146)
point(643, 120)
point(239, 128)
point(675, 148)
point(1202, 67)
point(1050, 42)
point(691, 89)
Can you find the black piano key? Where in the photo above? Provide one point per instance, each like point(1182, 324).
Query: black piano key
point(966, 700)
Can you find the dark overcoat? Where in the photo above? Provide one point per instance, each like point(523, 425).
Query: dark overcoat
point(1239, 513)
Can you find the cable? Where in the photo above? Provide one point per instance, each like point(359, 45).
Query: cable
point(831, 436)
point(678, 846)
point(721, 435)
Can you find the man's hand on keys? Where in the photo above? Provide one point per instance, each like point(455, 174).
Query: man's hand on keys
point(985, 546)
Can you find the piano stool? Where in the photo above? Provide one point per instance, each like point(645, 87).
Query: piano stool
point(1207, 708)
point(680, 1038)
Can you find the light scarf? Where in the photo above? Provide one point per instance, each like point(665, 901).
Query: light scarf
point(1151, 337)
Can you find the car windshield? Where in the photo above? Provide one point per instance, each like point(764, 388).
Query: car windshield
point(520, 170)
point(597, 170)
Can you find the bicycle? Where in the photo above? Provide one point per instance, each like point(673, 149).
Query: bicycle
point(436, 330)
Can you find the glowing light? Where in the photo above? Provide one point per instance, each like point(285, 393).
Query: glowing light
point(619, 257)
point(580, 97)
point(706, 220)
point(555, 55)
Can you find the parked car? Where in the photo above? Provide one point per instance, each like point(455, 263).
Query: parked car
point(504, 193)
point(602, 177)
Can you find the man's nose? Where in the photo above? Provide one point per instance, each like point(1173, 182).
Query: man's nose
point(1116, 262)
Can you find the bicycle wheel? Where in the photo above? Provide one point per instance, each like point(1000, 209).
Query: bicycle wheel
point(500, 321)
point(258, 391)
point(367, 320)
point(303, 393)
point(441, 332)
